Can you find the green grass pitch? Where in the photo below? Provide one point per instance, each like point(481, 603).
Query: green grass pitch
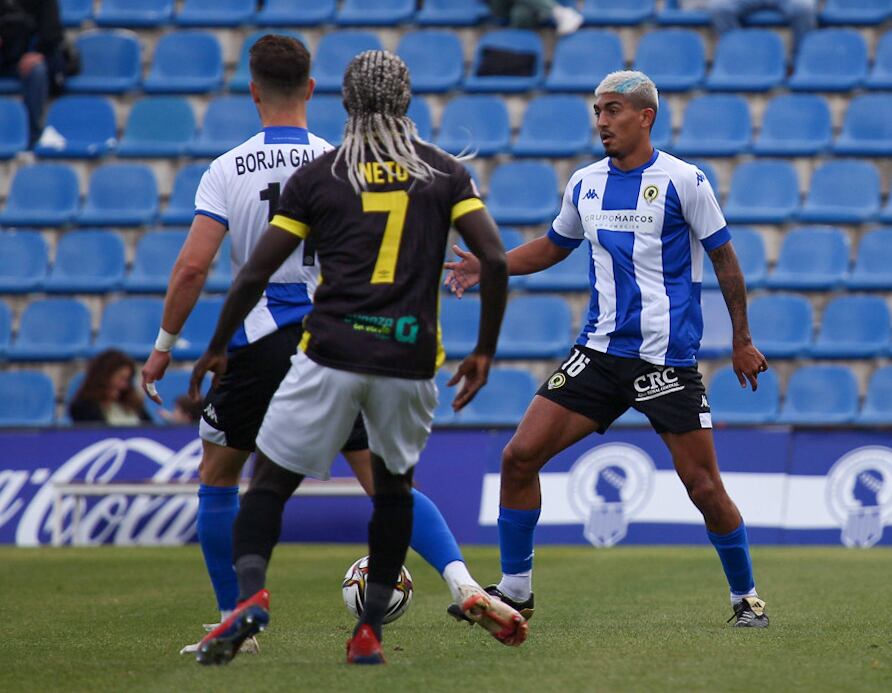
point(626, 619)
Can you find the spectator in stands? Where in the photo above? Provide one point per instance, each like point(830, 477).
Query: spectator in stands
point(528, 14)
point(185, 411)
point(108, 394)
point(801, 15)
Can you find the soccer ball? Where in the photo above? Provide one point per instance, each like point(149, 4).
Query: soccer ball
point(354, 591)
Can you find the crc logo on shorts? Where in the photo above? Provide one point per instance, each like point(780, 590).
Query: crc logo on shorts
point(650, 193)
point(859, 494)
point(608, 486)
point(557, 380)
point(659, 382)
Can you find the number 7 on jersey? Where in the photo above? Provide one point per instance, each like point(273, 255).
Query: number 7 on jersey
point(394, 204)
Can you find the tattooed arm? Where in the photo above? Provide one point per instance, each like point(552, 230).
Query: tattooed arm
point(746, 359)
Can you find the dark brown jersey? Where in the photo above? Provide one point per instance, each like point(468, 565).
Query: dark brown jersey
point(381, 254)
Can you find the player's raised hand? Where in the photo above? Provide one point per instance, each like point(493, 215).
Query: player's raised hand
point(475, 371)
point(748, 362)
point(214, 361)
point(464, 273)
point(153, 371)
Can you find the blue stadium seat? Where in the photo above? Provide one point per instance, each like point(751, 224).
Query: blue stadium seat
point(451, 12)
point(511, 238)
point(501, 403)
point(781, 325)
point(185, 62)
point(334, 53)
point(13, 128)
point(535, 327)
point(434, 58)
point(131, 325)
point(475, 124)
point(674, 14)
point(27, 398)
point(375, 12)
point(174, 384)
point(110, 63)
point(880, 76)
point(715, 125)
point(820, 395)
point(158, 126)
point(661, 134)
point(156, 251)
point(867, 129)
point(731, 404)
point(181, 206)
point(523, 193)
point(762, 192)
point(10, 85)
point(420, 113)
point(135, 13)
point(242, 77)
point(86, 124)
point(290, 13)
point(617, 12)
point(42, 195)
point(555, 125)
point(220, 278)
point(87, 261)
point(877, 407)
point(228, 121)
point(794, 125)
point(120, 195)
point(199, 329)
point(73, 13)
point(459, 319)
point(842, 192)
point(873, 266)
point(853, 327)
point(572, 274)
point(674, 58)
point(748, 60)
point(582, 59)
point(52, 329)
point(830, 60)
point(327, 117)
point(716, 340)
point(750, 249)
point(23, 261)
point(858, 12)
point(519, 40)
point(5, 327)
point(222, 13)
point(811, 259)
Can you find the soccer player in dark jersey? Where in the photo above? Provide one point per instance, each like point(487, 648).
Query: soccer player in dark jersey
point(378, 210)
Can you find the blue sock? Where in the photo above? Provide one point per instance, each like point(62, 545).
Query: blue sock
point(431, 536)
point(734, 553)
point(217, 508)
point(516, 528)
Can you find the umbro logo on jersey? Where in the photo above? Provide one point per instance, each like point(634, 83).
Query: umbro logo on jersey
point(591, 195)
point(211, 413)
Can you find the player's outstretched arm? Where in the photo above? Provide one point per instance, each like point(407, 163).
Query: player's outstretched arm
point(746, 359)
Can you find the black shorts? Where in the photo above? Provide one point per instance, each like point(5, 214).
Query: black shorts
point(237, 405)
point(602, 387)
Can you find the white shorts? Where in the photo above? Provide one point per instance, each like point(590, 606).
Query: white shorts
point(313, 411)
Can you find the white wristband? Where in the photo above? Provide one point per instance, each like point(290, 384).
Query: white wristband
point(165, 340)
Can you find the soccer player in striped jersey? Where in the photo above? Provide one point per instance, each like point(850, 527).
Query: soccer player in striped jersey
point(648, 218)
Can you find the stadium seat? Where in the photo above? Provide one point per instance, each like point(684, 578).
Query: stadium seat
point(434, 59)
point(731, 404)
point(135, 13)
point(617, 12)
point(857, 12)
point(131, 325)
point(811, 259)
point(216, 13)
point(523, 193)
point(661, 134)
point(13, 128)
point(84, 128)
point(333, 54)
point(5, 327)
point(290, 13)
point(867, 129)
point(750, 249)
point(185, 62)
point(87, 261)
point(675, 14)
point(582, 59)
point(199, 329)
point(853, 327)
point(220, 277)
point(475, 124)
point(820, 395)
point(242, 76)
point(873, 266)
point(110, 63)
point(748, 60)
point(877, 407)
point(555, 125)
point(535, 327)
point(181, 206)
point(27, 398)
point(375, 12)
point(228, 121)
point(156, 251)
point(120, 195)
point(73, 13)
point(327, 117)
point(830, 60)
point(451, 12)
point(572, 274)
point(158, 126)
point(420, 113)
point(511, 238)
point(52, 329)
point(502, 402)
point(42, 195)
point(842, 192)
point(23, 261)
point(715, 125)
point(880, 76)
point(794, 125)
point(762, 192)
point(674, 58)
point(716, 340)
point(10, 85)
point(516, 40)
point(459, 319)
point(781, 325)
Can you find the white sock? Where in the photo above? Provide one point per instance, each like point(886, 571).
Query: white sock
point(224, 615)
point(456, 574)
point(518, 587)
point(737, 598)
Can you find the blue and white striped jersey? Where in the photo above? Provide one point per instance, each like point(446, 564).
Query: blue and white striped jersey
point(647, 229)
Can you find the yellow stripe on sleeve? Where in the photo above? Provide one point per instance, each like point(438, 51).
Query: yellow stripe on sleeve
point(298, 228)
point(472, 204)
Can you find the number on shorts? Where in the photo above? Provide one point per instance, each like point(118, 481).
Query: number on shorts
point(575, 364)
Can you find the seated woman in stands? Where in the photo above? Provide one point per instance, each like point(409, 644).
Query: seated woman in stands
point(107, 394)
